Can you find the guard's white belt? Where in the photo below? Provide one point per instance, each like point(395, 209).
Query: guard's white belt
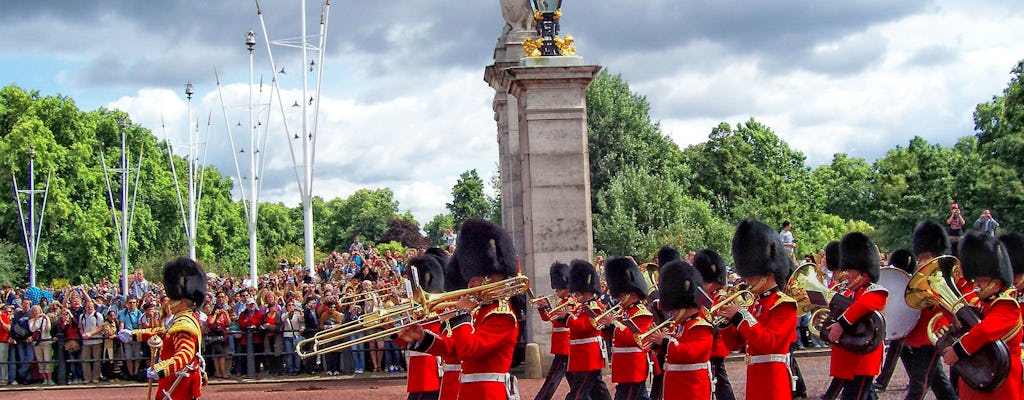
point(452, 368)
point(483, 377)
point(767, 358)
point(595, 339)
point(559, 330)
point(687, 367)
point(626, 350)
point(414, 353)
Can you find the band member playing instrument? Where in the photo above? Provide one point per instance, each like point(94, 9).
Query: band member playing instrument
point(630, 361)
point(179, 371)
point(483, 337)
point(559, 333)
point(665, 255)
point(768, 326)
point(689, 339)
point(424, 378)
point(859, 259)
point(586, 347)
point(712, 272)
point(986, 263)
point(921, 362)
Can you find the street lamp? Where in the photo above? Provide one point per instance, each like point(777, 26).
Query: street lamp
point(250, 40)
point(188, 90)
point(546, 15)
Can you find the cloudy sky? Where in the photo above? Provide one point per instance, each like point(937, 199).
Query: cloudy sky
point(404, 105)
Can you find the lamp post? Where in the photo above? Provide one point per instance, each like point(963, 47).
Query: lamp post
point(250, 43)
point(547, 25)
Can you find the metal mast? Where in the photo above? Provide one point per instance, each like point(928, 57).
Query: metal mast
point(32, 232)
point(127, 214)
point(193, 143)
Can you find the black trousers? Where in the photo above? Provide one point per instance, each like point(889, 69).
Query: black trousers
point(554, 378)
point(861, 387)
point(586, 386)
point(924, 371)
point(723, 388)
point(631, 391)
point(657, 386)
point(423, 395)
point(801, 387)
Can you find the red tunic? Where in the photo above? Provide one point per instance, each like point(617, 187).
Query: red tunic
point(629, 361)
point(769, 334)
point(585, 342)
point(559, 333)
point(1000, 318)
point(180, 345)
point(688, 347)
point(484, 343)
point(918, 336)
point(423, 368)
point(846, 364)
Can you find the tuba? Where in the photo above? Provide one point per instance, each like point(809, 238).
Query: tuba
point(988, 367)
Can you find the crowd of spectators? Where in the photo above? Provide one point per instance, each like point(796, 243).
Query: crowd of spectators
point(268, 319)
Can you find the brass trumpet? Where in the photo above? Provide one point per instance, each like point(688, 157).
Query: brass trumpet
point(668, 324)
point(425, 308)
point(614, 311)
point(570, 302)
point(739, 293)
point(551, 298)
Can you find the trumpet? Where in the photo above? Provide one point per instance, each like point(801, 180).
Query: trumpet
point(738, 293)
point(668, 324)
point(570, 302)
point(614, 311)
point(424, 309)
point(551, 298)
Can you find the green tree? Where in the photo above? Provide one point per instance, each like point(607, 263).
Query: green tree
point(366, 213)
point(468, 200)
point(436, 227)
point(999, 129)
point(845, 184)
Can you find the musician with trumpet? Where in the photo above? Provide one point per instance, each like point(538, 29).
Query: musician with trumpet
point(559, 332)
point(768, 326)
point(630, 360)
point(586, 346)
point(483, 335)
point(686, 337)
point(712, 271)
point(985, 263)
point(424, 378)
point(856, 370)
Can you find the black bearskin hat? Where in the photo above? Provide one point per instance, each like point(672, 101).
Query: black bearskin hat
point(929, 237)
point(680, 285)
point(757, 251)
point(984, 256)
point(583, 278)
point(857, 252)
point(832, 256)
point(429, 272)
point(483, 249)
point(559, 275)
point(624, 276)
point(711, 266)
point(439, 253)
point(903, 259)
point(184, 279)
point(453, 279)
point(1013, 242)
point(666, 254)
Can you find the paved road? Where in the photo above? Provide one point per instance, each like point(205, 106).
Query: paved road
point(815, 370)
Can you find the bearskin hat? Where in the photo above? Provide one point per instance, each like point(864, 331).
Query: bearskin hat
point(559, 276)
point(429, 272)
point(929, 237)
point(184, 279)
point(1013, 242)
point(711, 266)
point(757, 250)
point(903, 259)
point(680, 285)
point(984, 256)
point(439, 253)
point(624, 276)
point(832, 256)
point(666, 254)
point(583, 277)
point(483, 249)
point(453, 279)
point(857, 252)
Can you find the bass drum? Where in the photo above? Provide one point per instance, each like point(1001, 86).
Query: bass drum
point(900, 318)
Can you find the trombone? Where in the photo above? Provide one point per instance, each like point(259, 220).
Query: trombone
point(425, 309)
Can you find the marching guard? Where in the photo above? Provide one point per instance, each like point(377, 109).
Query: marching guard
point(768, 326)
point(690, 336)
point(586, 346)
point(712, 271)
point(631, 362)
point(482, 336)
point(180, 370)
point(986, 264)
point(559, 332)
point(424, 378)
point(859, 260)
